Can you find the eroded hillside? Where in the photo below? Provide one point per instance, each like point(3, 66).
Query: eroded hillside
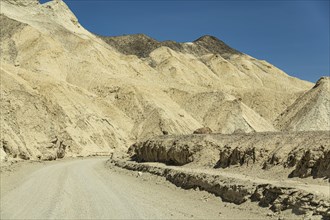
point(66, 91)
point(311, 111)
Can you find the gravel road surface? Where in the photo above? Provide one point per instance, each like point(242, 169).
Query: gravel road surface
point(86, 189)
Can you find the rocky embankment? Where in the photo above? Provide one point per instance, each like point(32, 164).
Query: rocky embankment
point(277, 196)
point(305, 153)
point(295, 167)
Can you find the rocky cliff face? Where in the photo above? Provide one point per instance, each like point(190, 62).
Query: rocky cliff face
point(95, 95)
point(304, 154)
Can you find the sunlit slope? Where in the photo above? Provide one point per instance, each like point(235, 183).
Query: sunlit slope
point(64, 86)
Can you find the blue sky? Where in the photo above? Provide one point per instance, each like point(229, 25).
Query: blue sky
point(292, 35)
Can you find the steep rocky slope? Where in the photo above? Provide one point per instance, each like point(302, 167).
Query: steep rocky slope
point(65, 91)
point(311, 111)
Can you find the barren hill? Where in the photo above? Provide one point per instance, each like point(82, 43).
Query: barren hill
point(210, 63)
point(64, 89)
point(311, 111)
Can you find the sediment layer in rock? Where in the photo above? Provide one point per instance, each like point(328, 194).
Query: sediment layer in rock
point(307, 153)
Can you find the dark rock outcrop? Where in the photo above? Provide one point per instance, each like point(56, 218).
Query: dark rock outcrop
point(142, 45)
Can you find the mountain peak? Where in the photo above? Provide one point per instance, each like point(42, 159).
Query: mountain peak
point(140, 35)
point(214, 45)
point(207, 38)
point(323, 81)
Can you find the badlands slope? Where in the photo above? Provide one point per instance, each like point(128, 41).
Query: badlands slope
point(311, 111)
point(66, 91)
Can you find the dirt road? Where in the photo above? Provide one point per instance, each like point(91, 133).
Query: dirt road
point(86, 189)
